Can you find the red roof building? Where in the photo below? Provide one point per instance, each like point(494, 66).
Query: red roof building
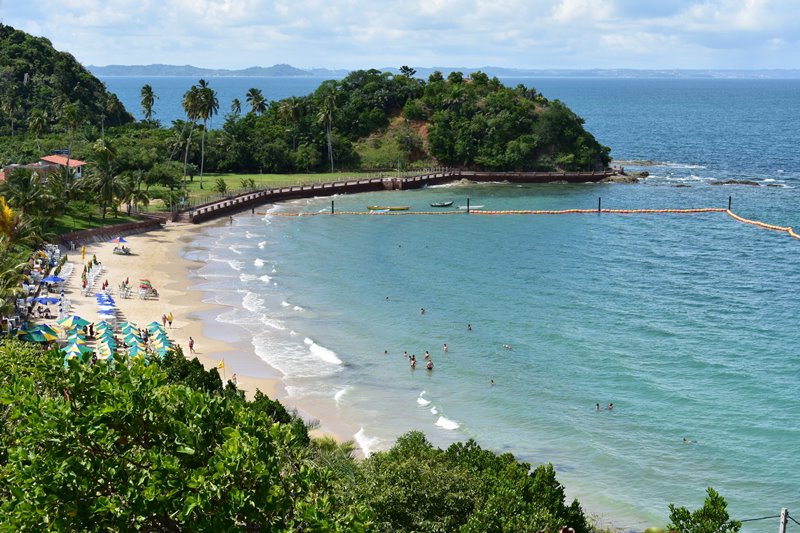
point(63, 161)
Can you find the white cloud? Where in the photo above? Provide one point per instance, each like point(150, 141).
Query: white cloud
point(369, 33)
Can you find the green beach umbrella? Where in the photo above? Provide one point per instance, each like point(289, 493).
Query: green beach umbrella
point(72, 322)
point(76, 349)
point(37, 336)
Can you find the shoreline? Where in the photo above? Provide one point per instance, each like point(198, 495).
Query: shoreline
point(163, 256)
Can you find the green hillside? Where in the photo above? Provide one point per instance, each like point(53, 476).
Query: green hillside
point(42, 88)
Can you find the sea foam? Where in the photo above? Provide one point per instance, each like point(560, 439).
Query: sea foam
point(422, 401)
point(446, 423)
point(258, 262)
point(365, 442)
point(329, 356)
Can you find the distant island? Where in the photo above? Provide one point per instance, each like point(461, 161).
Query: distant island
point(284, 70)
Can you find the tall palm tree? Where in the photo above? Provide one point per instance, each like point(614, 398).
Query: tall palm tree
point(9, 107)
point(148, 100)
point(104, 158)
point(256, 100)
point(37, 124)
point(191, 105)
point(208, 107)
point(290, 111)
point(325, 116)
point(236, 107)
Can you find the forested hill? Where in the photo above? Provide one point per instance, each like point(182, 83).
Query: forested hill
point(374, 119)
point(42, 86)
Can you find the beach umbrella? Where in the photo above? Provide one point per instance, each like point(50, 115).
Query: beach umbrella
point(47, 300)
point(107, 312)
point(76, 348)
point(72, 322)
point(126, 325)
point(118, 240)
point(102, 325)
point(44, 328)
point(38, 336)
point(53, 279)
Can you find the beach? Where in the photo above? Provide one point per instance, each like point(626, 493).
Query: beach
point(156, 256)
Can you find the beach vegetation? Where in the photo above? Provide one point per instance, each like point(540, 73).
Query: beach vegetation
point(712, 517)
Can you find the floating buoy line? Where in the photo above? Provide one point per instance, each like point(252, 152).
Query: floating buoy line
point(784, 229)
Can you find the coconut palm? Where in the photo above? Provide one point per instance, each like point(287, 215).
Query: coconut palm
point(191, 105)
point(104, 157)
point(325, 116)
point(37, 124)
point(148, 100)
point(208, 107)
point(290, 111)
point(236, 107)
point(256, 100)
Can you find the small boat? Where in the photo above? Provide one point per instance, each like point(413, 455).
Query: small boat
point(388, 207)
point(442, 204)
point(470, 207)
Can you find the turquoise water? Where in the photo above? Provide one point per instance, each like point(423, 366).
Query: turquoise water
point(687, 323)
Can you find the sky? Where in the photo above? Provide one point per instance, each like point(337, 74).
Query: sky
point(353, 34)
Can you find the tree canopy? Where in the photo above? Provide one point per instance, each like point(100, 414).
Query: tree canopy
point(34, 77)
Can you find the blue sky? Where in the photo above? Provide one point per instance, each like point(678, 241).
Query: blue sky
point(350, 34)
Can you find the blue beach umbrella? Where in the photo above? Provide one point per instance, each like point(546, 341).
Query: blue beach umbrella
point(118, 240)
point(53, 279)
point(47, 300)
point(107, 312)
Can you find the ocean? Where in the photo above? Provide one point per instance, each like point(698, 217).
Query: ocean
point(686, 323)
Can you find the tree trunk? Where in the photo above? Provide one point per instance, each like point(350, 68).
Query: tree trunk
point(202, 153)
point(186, 153)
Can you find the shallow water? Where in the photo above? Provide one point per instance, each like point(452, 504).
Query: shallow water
point(685, 322)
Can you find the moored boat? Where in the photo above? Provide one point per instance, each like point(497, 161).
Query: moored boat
point(388, 207)
point(442, 204)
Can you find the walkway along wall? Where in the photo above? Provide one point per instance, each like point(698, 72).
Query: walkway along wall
point(251, 200)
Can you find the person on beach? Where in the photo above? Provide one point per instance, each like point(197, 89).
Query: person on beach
point(169, 319)
point(191, 345)
point(164, 320)
point(231, 221)
point(233, 379)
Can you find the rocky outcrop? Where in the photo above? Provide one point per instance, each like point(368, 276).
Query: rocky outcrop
point(626, 177)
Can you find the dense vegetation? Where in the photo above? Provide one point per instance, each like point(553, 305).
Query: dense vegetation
point(166, 447)
point(41, 88)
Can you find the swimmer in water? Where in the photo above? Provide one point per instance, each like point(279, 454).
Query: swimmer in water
point(597, 407)
point(507, 347)
point(429, 366)
point(610, 406)
point(491, 382)
point(444, 348)
point(469, 327)
point(422, 310)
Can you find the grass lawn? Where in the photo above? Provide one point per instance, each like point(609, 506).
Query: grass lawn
point(263, 181)
point(67, 223)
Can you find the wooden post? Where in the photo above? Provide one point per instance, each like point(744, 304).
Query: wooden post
point(730, 200)
point(784, 517)
point(332, 210)
point(468, 206)
point(599, 203)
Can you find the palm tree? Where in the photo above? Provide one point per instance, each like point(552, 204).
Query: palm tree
point(148, 100)
point(37, 124)
point(256, 100)
point(191, 103)
point(9, 107)
point(325, 115)
point(236, 107)
point(104, 159)
point(208, 106)
point(290, 111)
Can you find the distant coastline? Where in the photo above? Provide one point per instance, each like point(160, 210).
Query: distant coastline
point(283, 71)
